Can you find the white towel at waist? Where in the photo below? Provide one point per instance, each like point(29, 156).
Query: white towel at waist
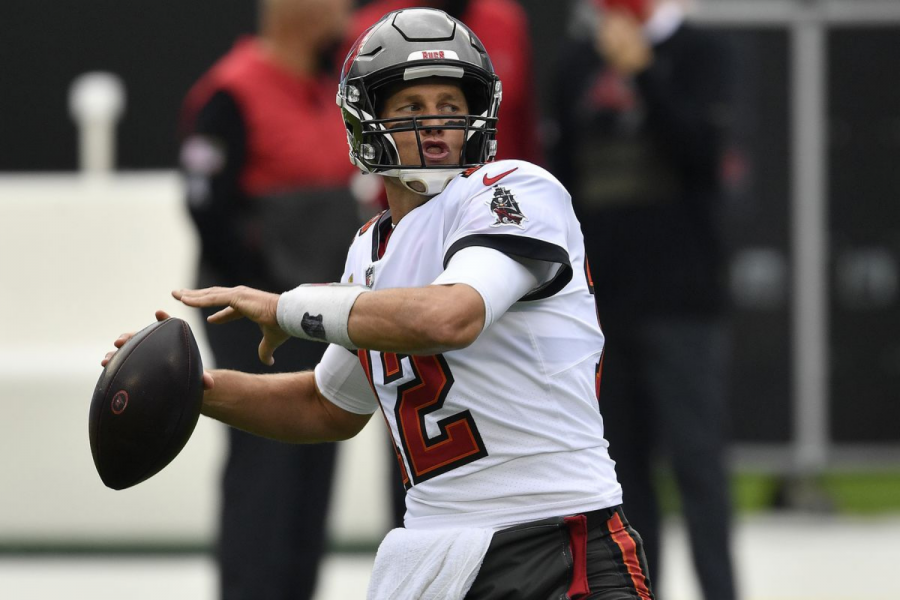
point(427, 564)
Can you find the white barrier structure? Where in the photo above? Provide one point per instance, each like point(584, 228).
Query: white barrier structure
point(96, 103)
point(83, 259)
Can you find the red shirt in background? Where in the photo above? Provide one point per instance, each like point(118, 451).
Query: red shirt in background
point(295, 134)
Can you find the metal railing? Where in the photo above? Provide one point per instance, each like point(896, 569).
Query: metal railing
point(807, 23)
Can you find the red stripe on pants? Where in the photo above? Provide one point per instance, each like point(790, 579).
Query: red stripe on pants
point(629, 553)
point(578, 545)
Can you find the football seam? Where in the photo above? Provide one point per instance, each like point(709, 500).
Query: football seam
point(116, 376)
point(113, 379)
point(153, 467)
point(187, 347)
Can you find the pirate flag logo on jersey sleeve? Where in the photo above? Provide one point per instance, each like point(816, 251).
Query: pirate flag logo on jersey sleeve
point(505, 208)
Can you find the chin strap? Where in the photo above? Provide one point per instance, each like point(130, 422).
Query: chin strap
point(427, 182)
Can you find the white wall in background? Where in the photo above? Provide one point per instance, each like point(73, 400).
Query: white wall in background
point(83, 259)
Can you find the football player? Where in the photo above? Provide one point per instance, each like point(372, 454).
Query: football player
point(465, 317)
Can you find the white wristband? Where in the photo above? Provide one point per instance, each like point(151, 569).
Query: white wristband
point(319, 312)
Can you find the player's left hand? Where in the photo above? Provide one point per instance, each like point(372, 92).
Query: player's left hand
point(239, 302)
point(620, 40)
point(161, 315)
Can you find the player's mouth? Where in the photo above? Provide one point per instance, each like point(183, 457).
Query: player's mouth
point(435, 150)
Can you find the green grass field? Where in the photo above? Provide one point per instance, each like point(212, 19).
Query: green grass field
point(860, 493)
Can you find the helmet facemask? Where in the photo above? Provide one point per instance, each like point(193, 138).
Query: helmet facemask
point(372, 146)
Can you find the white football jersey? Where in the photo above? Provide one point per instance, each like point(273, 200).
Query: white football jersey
point(507, 430)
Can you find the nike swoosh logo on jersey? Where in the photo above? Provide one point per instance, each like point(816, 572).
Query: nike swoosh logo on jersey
point(489, 181)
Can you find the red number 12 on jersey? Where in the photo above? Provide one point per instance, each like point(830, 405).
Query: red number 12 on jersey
point(458, 441)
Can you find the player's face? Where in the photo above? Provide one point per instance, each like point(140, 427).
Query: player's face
point(443, 100)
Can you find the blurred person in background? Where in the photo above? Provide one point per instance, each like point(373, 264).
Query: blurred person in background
point(502, 26)
point(642, 113)
point(265, 162)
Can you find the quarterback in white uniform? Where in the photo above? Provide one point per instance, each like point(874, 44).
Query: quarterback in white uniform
point(480, 429)
point(467, 309)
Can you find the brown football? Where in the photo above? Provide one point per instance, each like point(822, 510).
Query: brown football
point(146, 404)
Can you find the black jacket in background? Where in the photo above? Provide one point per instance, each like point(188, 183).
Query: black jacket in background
point(642, 159)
